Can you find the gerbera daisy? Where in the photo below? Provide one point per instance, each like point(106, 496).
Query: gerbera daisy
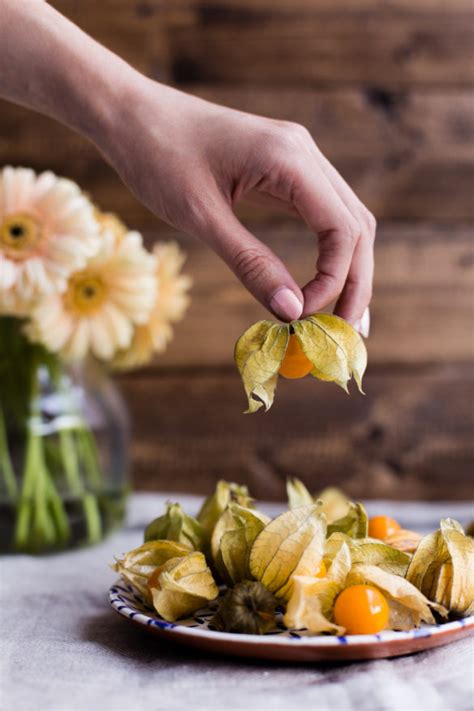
point(102, 303)
point(47, 231)
point(170, 304)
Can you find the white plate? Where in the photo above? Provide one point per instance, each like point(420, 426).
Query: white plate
point(283, 644)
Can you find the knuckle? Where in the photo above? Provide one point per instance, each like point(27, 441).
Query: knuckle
point(250, 264)
point(371, 223)
point(287, 135)
point(352, 231)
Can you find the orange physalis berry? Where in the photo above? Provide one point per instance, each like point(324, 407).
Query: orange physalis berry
point(361, 609)
point(295, 364)
point(382, 527)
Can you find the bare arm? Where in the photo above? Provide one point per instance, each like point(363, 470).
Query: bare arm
point(190, 161)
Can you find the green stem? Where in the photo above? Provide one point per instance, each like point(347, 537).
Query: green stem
point(41, 518)
point(6, 466)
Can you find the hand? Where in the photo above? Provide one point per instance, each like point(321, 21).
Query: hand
point(190, 161)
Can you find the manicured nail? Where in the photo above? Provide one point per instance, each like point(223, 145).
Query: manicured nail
point(363, 324)
point(286, 305)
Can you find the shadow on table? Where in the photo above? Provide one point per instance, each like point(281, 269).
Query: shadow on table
point(118, 636)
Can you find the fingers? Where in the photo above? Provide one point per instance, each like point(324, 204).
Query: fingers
point(338, 234)
point(257, 267)
point(357, 292)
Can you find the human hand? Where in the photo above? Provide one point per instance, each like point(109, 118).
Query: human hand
point(191, 161)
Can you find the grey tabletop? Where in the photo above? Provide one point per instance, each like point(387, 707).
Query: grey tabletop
point(63, 649)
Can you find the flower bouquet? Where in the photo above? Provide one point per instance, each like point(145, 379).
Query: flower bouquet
point(79, 296)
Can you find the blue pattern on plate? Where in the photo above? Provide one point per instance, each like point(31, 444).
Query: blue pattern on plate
point(129, 603)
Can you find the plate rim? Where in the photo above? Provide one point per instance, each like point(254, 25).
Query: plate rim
point(124, 609)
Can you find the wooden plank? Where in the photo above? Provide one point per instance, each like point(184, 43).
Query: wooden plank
point(422, 309)
point(286, 42)
point(383, 44)
point(408, 154)
point(397, 442)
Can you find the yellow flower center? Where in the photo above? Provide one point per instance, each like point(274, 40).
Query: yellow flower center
point(86, 293)
point(19, 233)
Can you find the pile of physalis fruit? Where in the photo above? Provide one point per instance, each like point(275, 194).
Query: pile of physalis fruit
point(322, 566)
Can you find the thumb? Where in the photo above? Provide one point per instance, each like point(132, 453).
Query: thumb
point(257, 267)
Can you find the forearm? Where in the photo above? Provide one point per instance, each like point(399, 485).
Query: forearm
point(48, 64)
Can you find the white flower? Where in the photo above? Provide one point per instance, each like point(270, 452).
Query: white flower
point(102, 304)
point(47, 231)
point(170, 304)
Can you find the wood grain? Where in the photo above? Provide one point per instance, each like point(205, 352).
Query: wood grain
point(407, 155)
point(384, 45)
point(410, 437)
point(422, 310)
point(388, 44)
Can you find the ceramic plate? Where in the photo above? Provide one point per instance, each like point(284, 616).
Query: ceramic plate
point(283, 644)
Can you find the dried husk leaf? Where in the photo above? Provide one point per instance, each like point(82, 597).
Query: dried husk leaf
point(369, 551)
point(338, 560)
point(232, 541)
point(138, 564)
point(175, 525)
point(247, 608)
point(442, 567)
point(404, 540)
point(310, 605)
point(334, 347)
point(335, 504)
point(215, 505)
point(258, 356)
point(291, 544)
point(183, 586)
point(298, 494)
point(401, 591)
point(354, 524)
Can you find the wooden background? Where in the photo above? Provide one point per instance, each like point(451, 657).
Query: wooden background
point(386, 89)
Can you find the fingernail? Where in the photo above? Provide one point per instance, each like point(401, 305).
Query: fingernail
point(363, 324)
point(286, 305)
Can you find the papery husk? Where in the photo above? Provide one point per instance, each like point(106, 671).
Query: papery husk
point(247, 608)
point(215, 504)
point(338, 560)
point(175, 525)
point(298, 494)
point(369, 551)
point(310, 605)
point(442, 567)
point(292, 544)
point(258, 355)
point(138, 564)
point(354, 524)
point(404, 540)
point(184, 585)
point(334, 347)
point(335, 504)
point(409, 607)
point(232, 540)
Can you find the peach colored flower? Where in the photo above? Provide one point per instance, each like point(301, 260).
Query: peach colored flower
point(170, 304)
point(47, 231)
point(102, 304)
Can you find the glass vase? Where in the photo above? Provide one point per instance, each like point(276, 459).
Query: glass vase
point(63, 449)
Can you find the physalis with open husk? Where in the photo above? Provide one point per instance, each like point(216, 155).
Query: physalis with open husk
point(443, 568)
point(175, 525)
point(182, 585)
point(322, 566)
point(323, 345)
